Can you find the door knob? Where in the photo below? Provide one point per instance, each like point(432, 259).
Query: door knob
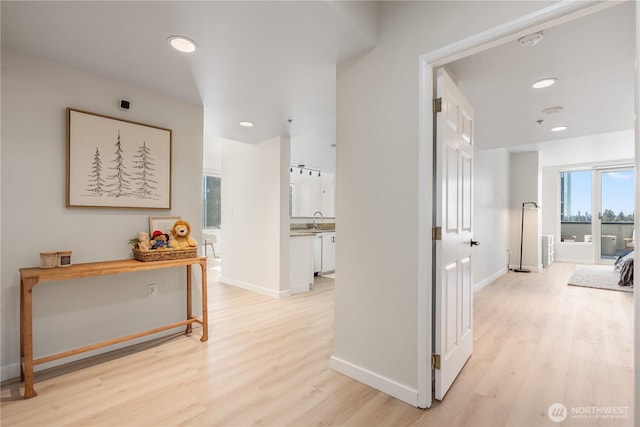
point(474, 243)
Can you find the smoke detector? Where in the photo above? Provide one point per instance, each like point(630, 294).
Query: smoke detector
point(531, 39)
point(552, 110)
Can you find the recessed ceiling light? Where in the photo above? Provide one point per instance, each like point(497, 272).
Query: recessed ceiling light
point(182, 44)
point(246, 124)
point(544, 83)
point(559, 128)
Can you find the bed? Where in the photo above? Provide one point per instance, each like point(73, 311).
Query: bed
point(624, 264)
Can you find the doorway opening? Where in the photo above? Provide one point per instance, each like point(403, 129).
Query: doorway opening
point(548, 17)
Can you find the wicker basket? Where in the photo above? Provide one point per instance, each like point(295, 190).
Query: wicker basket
point(164, 254)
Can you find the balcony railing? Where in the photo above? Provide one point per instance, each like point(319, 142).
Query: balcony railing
point(613, 241)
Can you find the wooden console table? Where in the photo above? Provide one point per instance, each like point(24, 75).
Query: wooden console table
point(30, 277)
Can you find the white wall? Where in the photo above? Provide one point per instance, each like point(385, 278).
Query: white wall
point(79, 312)
point(526, 186)
point(255, 215)
point(3, 372)
point(381, 217)
point(601, 148)
point(212, 155)
point(312, 195)
point(491, 215)
point(636, 148)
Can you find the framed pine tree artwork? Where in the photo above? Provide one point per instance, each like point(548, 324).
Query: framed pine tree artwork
point(116, 163)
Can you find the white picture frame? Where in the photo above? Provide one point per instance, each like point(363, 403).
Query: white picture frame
point(162, 223)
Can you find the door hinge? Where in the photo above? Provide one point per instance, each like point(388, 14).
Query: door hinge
point(435, 361)
point(436, 233)
point(437, 105)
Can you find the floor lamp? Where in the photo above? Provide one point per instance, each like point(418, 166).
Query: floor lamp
point(535, 206)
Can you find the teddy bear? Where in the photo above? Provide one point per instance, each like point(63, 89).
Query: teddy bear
point(143, 241)
point(159, 240)
point(181, 235)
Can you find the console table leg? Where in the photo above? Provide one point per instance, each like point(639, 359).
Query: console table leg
point(189, 299)
point(21, 330)
point(26, 335)
point(205, 315)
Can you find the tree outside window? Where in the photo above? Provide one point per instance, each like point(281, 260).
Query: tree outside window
point(211, 201)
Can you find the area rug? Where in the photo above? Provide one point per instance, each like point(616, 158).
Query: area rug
point(597, 276)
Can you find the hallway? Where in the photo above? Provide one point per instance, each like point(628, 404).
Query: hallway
point(537, 342)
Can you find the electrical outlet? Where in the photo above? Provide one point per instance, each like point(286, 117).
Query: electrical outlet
point(152, 290)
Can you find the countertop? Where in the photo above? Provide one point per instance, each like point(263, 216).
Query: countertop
point(309, 232)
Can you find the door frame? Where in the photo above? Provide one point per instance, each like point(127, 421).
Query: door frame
point(552, 15)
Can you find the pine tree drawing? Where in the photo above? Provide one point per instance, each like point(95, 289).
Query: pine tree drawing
point(144, 174)
point(96, 183)
point(119, 181)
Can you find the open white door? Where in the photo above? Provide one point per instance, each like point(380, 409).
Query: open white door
point(453, 218)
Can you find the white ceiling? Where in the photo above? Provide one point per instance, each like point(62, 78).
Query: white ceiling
point(268, 62)
point(265, 62)
point(593, 59)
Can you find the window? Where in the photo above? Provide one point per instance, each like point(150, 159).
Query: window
point(211, 201)
point(617, 196)
point(617, 200)
point(575, 205)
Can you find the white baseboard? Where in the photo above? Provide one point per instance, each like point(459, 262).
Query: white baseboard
point(527, 267)
point(255, 288)
point(300, 288)
point(385, 385)
point(574, 261)
point(485, 282)
point(10, 371)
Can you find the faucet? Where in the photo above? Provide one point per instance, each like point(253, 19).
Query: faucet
point(314, 225)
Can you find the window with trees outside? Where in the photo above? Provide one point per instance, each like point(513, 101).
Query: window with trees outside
point(617, 204)
point(598, 203)
point(211, 201)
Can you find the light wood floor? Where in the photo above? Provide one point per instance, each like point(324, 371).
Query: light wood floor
point(537, 342)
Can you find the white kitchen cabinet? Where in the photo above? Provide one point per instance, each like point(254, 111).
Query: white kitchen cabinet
point(328, 252)
point(317, 253)
point(300, 263)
